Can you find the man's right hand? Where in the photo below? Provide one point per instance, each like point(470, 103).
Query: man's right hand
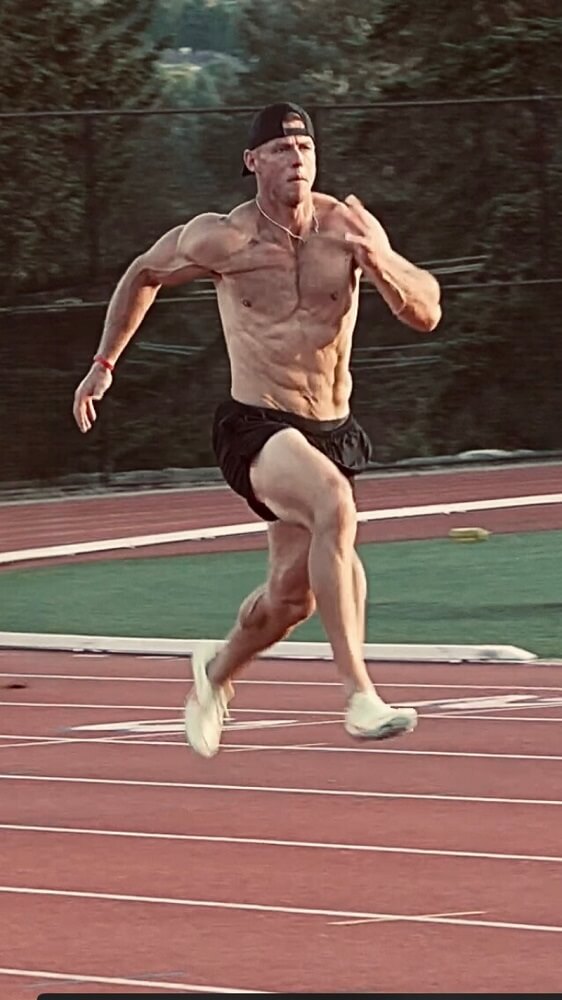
point(93, 386)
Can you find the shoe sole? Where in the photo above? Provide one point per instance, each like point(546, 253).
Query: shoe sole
point(398, 726)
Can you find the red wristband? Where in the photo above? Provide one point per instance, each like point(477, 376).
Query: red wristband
point(104, 362)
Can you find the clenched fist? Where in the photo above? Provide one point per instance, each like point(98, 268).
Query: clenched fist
point(366, 233)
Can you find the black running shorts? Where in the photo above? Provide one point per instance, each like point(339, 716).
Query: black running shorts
point(240, 432)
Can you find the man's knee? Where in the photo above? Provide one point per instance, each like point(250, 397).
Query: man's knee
point(335, 512)
point(300, 608)
point(291, 602)
point(253, 611)
point(281, 601)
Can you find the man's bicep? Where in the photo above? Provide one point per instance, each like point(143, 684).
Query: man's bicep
point(181, 255)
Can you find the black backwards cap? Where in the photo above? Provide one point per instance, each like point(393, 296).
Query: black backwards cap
point(268, 125)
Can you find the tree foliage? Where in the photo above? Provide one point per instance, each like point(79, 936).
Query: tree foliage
point(65, 55)
point(450, 173)
point(202, 25)
point(448, 180)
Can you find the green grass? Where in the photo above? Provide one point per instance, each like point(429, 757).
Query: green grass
point(506, 590)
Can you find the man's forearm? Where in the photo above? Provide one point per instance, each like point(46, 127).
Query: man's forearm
point(127, 308)
point(411, 293)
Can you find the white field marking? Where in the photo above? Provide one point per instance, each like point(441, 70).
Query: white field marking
point(383, 920)
point(466, 706)
point(395, 652)
point(252, 724)
point(484, 703)
point(173, 725)
point(493, 718)
point(245, 748)
point(300, 911)
point(151, 727)
point(36, 743)
point(268, 842)
point(82, 977)
point(45, 738)
point(48, 741)
point(336, 684)
point(176, 725)
point(403, 753)
point(252, 527)
point(281, 790)
point(177, 728)
point(162, 708)
point(133, 740)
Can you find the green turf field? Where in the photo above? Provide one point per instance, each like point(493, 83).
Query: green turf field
point(507, 590)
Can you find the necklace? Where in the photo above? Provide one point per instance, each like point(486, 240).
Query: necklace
point(289, 232)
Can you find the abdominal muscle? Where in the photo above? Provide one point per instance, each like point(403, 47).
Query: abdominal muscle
point(281, 372)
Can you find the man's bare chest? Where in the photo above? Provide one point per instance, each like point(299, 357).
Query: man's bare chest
point(310, 275)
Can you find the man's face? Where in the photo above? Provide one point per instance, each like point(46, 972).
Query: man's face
point(285, 168)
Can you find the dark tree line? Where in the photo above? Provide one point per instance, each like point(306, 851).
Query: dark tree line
point(81, 195)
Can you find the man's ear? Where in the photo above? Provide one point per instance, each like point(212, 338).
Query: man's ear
point(249, 161)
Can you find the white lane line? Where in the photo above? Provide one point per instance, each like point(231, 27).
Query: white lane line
point(162, 708)
point(494, 718)
point(256, 527)
point(267, 842)
point(139, 740)
point(512, 688)
point(300, 911)
point(402, 753)
point(36, 743)
point(82, 977)
point(248, 748)
point(49, 741)
point(275, 790)
point(24, 736)
point(435, 716)
point(383, 920)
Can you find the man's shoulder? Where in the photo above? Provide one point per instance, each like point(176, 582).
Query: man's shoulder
point(325, 202)
point(213, 233)
point(333, 213)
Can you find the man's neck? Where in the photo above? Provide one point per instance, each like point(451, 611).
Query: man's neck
point(298, 220)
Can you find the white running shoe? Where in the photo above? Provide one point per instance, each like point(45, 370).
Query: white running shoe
point(206, 706)
point(370, 718)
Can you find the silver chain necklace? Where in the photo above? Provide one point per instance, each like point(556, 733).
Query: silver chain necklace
point(289, 232)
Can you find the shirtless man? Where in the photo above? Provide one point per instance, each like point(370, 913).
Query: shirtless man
point(286, 267)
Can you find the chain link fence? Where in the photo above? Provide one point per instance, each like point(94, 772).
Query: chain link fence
point(471, 189)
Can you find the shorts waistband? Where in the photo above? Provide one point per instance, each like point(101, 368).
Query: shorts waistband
point(295, 419)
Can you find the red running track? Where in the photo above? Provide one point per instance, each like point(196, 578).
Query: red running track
point(461, 817)
point(297, 860)
point(30, 525)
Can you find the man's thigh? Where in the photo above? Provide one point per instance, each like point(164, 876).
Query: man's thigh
point(296, 481)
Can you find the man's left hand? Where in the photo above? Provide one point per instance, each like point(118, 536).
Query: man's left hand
point(368, 235)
